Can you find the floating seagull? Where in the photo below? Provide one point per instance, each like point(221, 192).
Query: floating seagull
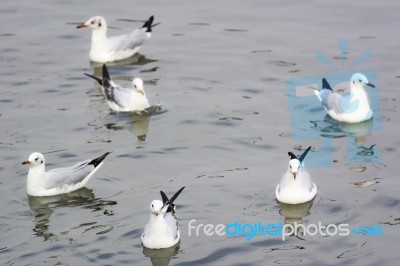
point(296, 185)
point(104, 49)
point(162, 230)
point(122, 99)
point(60, 180)
point(352, 107)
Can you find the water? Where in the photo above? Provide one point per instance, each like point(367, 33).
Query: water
point(223, 132)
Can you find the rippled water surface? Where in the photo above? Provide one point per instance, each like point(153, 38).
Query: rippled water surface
point(220, 70)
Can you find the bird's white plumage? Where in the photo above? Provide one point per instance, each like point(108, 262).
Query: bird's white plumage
point(108, 49)
point(296, 185)
point(60, 180)
point(162, 230)
point(351, 107)
point(127, 99)
point(122, 99)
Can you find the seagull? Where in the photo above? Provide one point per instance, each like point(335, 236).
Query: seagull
point(121, 99)
point(162, 230)
point(108, 49)
point(61, 180)
point(296, 185)
point(352, 107)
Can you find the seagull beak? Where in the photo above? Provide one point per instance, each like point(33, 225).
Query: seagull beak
point(82, 25)
point(371, 85)
point(26, 162)
point(294, 175)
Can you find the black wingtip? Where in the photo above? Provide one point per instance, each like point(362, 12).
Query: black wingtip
point(164, 197)
point(325, 84)
point(301, 158)
point(105, 72)
point(95, 78)
point(98, 160)
point(170, 202)
point(148, 24)
point(292, 156)
point(176, 195)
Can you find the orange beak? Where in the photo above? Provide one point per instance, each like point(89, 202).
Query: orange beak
point(82, 25)
point(26, 162)
point(294, 175)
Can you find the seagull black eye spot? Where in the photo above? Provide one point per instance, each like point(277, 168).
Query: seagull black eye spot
point(41, 162)
point(99, 24)
point(92, 22)
point(36, 159)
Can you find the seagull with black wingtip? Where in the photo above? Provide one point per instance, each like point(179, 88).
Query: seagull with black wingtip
point(351, 107)
point(59, 180)
point(122, 99)
point(108, 49)
point(162, 230)
point(296, 185)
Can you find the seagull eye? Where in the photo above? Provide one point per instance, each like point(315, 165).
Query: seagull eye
point(290, 166)
point(99, 24)
point(360, 80)
point(152, 205)
point(36, 159)
point(92, 22)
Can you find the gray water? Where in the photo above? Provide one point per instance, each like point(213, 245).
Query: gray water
point(220, 70)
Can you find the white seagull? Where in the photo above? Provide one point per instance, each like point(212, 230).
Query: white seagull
point(60, 180)
point(108, 49)
point(296, 185)
point(352, 107)
point(121, 99)
point(162, 230)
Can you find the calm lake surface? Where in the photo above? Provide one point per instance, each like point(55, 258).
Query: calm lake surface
point(221, 70)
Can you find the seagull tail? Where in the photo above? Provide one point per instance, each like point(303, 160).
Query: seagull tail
point(98, 160)
point(95, 78)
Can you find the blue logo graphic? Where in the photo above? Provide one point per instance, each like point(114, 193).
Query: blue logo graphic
point(309, 120)
point(375, 230)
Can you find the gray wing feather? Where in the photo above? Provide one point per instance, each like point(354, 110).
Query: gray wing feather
point(68, 175)
point(329, 100)
point(116, 94)
point(170, 219)
point(130, 41)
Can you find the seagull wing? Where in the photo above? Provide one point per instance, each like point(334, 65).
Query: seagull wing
point(72, 175)
point(128, 41)
point(68, 175)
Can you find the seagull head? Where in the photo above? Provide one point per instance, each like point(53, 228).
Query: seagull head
point(156, 207)
point(35, 158)
point(361, 80)
point(137, 84)
point(294, 167)
point(95, 23)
